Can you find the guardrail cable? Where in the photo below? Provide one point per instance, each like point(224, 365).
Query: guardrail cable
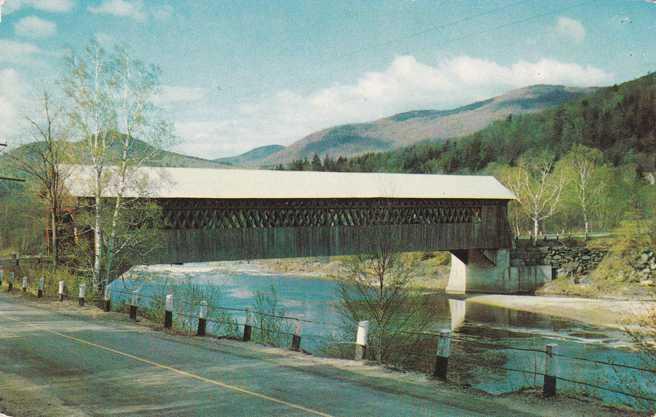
point(455, 337)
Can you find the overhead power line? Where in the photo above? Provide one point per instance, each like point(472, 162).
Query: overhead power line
point(11, 179)
point(323, 67)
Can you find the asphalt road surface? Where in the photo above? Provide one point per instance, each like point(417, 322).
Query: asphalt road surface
point(108, 368)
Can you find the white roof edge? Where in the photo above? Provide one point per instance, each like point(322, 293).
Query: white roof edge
point(209, 183)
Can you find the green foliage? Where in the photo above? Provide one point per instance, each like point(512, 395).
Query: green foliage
point(52, 277)
point(23, 217)
point(138, 231)
point(633, 236)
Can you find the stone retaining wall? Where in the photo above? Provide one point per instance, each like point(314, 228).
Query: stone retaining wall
point(566, 260)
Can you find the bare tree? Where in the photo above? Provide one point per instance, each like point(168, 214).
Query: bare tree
point(45, 164)
point(537, 187)
point(376, 287)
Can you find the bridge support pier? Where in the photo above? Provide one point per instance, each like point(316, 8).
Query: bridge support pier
point(492, 272)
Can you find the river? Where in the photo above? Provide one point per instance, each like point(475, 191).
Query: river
point(315, 301)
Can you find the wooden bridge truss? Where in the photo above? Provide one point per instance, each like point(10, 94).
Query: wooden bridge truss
point(197, 230)
point(240, 214)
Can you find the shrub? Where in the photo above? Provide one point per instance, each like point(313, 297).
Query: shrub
point(269, 325)
point(633, 237)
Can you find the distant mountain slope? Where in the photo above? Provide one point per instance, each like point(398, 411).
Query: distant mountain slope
point(422, 125)
point(159, 157)
point(617, 120)
point(251, 157)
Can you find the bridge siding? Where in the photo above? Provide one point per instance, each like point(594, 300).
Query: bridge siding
point(199, 245)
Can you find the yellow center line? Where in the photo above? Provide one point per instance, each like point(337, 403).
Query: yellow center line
point(180, 371)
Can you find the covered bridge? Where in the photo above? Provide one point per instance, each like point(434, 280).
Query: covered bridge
point(214, 214)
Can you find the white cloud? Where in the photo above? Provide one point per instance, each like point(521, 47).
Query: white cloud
point(172, 94)
point(17, 52)
point(163, 12)
point(405, 85)
point(35, 27)
point(53, 6)
point(122, 8)
point(569, 28)
point(12, 100)
point(104, 39)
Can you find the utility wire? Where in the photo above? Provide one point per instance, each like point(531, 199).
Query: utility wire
point(331, 60)
point(638, 396)
point(599, 362)
point(454, 39)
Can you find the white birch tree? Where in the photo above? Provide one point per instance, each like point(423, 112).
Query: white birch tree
point(537, 187)
point(120, 129)
point(93, 118)
point(581, 168)
point(134, 86)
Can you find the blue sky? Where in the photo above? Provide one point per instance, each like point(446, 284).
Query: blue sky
point(240, 74)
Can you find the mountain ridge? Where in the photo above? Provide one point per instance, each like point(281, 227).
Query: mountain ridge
point(253, 155)
point(417, 126)
point(616, 120)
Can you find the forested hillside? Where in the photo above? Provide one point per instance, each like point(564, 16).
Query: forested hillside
point(620, 121)
point(413, 127)
point(613, 128)
point(156, 157)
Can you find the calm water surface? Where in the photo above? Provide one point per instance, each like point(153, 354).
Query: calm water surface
point(316, 299)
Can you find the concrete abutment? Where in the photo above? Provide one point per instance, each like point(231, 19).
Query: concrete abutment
point(493, 272)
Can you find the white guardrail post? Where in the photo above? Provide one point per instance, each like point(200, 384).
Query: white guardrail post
point(41, 288)
point(550, 370)
point(107, 299)
point(248, 327)
point(443, 353)
point(134, 303)
point(82, 292)
point(296, 337)
point(202, 318)
point(168, 311)
point(361, 340)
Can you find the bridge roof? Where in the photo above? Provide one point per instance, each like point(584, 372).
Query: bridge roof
point(262, 184)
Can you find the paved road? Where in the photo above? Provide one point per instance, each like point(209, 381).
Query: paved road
point(101, 367)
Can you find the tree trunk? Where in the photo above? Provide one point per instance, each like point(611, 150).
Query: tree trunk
point(536, 227)
point(112, 239)
point(55, 252)
point(117, 207)
point(97, 236)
